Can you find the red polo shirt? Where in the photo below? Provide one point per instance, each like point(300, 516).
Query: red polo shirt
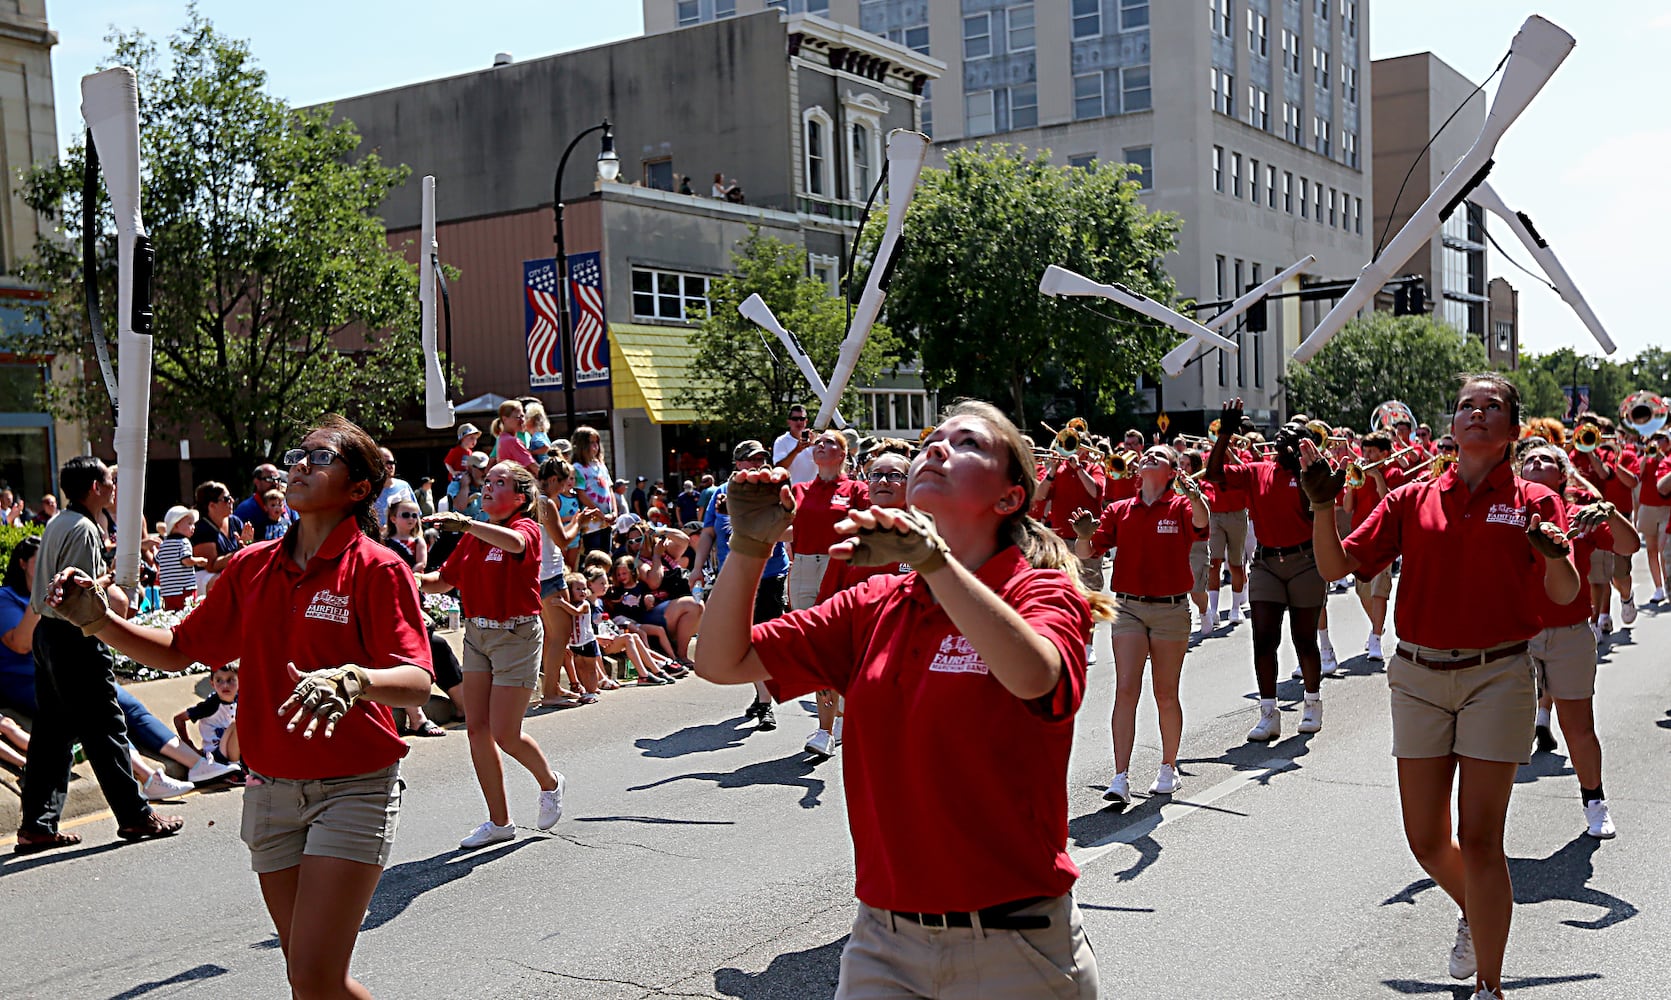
point(841, 575)
point(1070, 494)
point(1365, 497)
point(493, 583)
point(1123, 488)
point(1280, 511)
point(355, 602)
point(934, 832)
point(1471, 578)
point(819, 504)
point(1153, 542)
point(1653, 467)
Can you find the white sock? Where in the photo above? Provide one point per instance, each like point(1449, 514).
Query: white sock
point(1314, 697)
point(1238, 597)
point(1267, 705)
point(1323, 640)
point(1212, 604)
point(1543, 716)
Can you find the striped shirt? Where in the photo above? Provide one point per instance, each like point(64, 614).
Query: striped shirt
point(173, 579)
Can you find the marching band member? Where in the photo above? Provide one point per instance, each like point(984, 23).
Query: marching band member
point(1615, 470)
point(988, 636)
point(1285, 575)
point(1151, 582)
point(1227, 542)
point(1380, 478)
point(1463, 694)
point(1653, 510)
point(1564, 653)
point(1194, 465)
point(1072, 482)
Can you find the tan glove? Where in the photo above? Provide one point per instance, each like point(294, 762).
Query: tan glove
point(911, 540)
point(325, 695)
point(1322, 483)
point(1547, 539)
point(758, 515)
point(449, 520)
point(79, 600)
point(1591, 517)
point(1084, 523)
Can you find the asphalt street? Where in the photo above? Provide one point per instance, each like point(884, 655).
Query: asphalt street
point(699, 858)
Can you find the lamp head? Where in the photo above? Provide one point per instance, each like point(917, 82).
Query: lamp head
point(609, 164)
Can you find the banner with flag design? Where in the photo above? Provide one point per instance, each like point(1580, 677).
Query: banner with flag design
point(540, 312)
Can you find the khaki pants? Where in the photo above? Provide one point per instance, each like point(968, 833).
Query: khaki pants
point(806, 575)
point(888, 958)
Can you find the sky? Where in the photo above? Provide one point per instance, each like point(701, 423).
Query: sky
point(1584, 161)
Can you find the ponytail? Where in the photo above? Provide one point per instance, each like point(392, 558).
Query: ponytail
point(1044, 549)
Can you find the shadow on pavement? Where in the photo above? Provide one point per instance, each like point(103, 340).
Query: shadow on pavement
point(1564, 875)
point(695, 739)
point(189, 976)
point(1417, 986)
point(655, 820)
point(794, 771)
point(405, 882)
point(792, 976)
point(11, 864)
point(1543, 765)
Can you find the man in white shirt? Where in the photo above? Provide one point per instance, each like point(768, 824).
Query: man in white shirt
point(396, 490)
point(793, 449)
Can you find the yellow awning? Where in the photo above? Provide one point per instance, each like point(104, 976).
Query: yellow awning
point(651, 371)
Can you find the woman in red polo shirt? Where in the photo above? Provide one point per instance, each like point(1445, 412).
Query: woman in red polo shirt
point(324, 789)
point(1463, 691)
point(962, 869)
point(1284, 574)
point(1154, 532)
point(496, 568)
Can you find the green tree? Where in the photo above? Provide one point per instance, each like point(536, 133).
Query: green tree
point(277, 297)
point(1540, 393)
point(1415, 359)
point(965, 296)
point(745, 378)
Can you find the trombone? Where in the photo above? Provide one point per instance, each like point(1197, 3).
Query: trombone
point(1178, 486)
point(1435, 468)
point(1588, 437)
point(1120, 462)
point(1357, 472)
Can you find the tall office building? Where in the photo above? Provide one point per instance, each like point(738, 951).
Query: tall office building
point(1249, 118)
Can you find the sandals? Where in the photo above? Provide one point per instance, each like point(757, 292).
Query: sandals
point(607, 684)
point(561, 701)
point(154, 826)
point(589, 698)
point(34, 843)
point(429, 728)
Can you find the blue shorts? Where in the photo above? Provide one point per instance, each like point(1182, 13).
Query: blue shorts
point(553, 585)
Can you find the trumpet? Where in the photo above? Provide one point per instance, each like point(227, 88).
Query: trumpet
point(1357, 472)
point(1588, 437)
point(1119, 464)
point(1178, 485)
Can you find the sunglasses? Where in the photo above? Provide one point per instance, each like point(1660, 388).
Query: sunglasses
point(407, 515)
point(1447, 447)
point(887, 477)
point(316, 457)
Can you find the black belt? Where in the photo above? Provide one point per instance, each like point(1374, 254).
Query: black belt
point(999, 918)
point(1265, 551)
point(1172, 599)
point(1473, 659)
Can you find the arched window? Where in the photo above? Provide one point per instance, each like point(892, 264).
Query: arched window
point(859, 161)
point(817, 126)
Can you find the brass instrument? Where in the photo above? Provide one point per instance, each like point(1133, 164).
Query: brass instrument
point(1120, 463)
point(1588, 437)
point(1177, 484)
point(1190, 440)
point(1321, 433)
point(1389, 413)
point(1212, 431)
point(1357, 472)
point(1644, 412)
point(1436, 467)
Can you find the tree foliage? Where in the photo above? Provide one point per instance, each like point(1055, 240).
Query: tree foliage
point(1411, 358)
point(277, 297)
point(965, 296)
point(747, 379)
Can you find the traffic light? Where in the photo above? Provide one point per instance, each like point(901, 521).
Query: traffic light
point(1410, 298)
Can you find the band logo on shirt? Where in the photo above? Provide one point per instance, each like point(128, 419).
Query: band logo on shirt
point(495, 554)
point(329, 607)
point(1503, 513)
point(956, 656)
point(1167, 527)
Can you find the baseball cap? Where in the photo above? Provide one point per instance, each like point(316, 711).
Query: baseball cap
point(747, 450)
point(627, 522)
point(642, 479)
point(465, 430)
point(478, 459)
point(174, 516)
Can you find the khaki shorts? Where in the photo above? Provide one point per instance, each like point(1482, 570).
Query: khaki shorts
point(1565, 659)
point(1292, 580)
point(1601, 567)
point(1227, 536)
point(1166, 622)
point(805, 576)
point(1090, 574)
point(1380, 585)
point(352, 818)
point(1484, 712)
point(1652, 521)
point(1199, 565)
point(511, 655)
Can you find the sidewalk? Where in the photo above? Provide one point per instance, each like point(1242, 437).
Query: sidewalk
point(163, 698)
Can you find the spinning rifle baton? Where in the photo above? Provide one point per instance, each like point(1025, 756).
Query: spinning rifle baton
point(110, 106)
point(438, 409)
point(1535, 54)
point(756, 311)
point(1521, 225)
point(1181, 355)
point(1059, 280)
point(906, 151)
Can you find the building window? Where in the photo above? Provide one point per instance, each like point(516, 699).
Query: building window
point(1332, 217)
point(725, 8)
point(826, 269)
point(1219, 16)
point(1349, 17)
point(1087, 18)
point(1320, 67)
point(1305, 206)
point(1349, 148)
point(1133, 14)
point(1291, 122)
point(658, 173)
point(977, 36)
point(1270, 186)
point(1317, 200)
point(1290, 52)
point(1218, 169)
point(689, 12)
point(1082, 161)
point(1505, 334)
point(1357, 216)
point(1253, 181)
point(1320, 137)
point(902, 410)
point(859, 160)
point(1024, 106)
point(1323, 11)
point(818, 7)
point(1224, 91)
point(1259, 108)
point(1288, 192)
point(1134, 89)
point(978, 115)
point(1235, 175)
point(1258, 34)
point(1349, 83)
point(1087, 96)
point(669, 296)
point(1143, 158)
point(1021, 36)
point(817, 126)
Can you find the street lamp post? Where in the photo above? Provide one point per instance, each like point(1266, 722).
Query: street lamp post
point(609, 167)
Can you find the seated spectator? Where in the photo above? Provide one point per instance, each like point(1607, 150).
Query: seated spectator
point(253, 508)
point(15, 745)
point(49, 507)
point(585, 662)
point(276, 516)
point(629, 602)
point(213, 714)
point(720, 188)
point(219, 533)
point(177, 566)
point(396, 489)
point(11, 508)
point(468, 436)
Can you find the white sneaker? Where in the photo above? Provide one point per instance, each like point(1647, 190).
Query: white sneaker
point(1212, 607)
point(1373, 648)
point(1659, 596)
point(1331, 666)
point(1600, 820)
point(835, 734)
point(1167, 781)
point(208, 769)
point(551, 805)
point(1606, 623)
point(1235, 612)
point(160, 786)
point(1485, 994)
point(1463, 965)
point(1311, 720)
point(1627, 611)
point(488, 833)
point(820, 743)
point(1268, 728)
point(1091, 652)
point(1204, 628)
point(1119, 790)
